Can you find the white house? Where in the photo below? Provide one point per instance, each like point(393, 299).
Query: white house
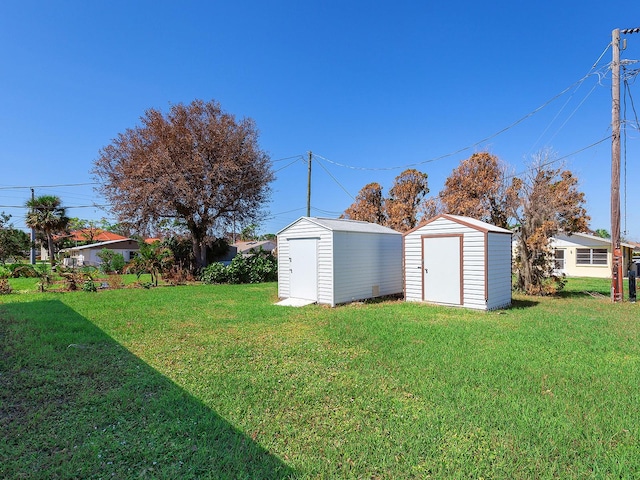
point(88, 254)
point(584, 255)
point(338, 261)
point(458, 261)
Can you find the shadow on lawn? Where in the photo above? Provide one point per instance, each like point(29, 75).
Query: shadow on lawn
point(75, 403)
point(520, 304)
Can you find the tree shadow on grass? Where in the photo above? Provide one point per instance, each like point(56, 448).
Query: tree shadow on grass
point(76, 404)
point(520, 304)
point(594, 293)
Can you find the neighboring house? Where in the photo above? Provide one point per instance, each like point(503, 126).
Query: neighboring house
point(584, 255)
point(88, 254)
point(83, 236)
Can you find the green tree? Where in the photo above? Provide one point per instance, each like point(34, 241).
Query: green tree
point(111, 262)
point(249, 233)
point(13, 242)
point(154, 259)
point(47, 215)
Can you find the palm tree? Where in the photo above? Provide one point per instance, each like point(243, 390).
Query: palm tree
point(48, 216)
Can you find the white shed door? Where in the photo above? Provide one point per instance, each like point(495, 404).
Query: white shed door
point(441, 269)
point(303, 264)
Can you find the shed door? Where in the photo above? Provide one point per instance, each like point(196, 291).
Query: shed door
point(303, 265)
point(442, 276)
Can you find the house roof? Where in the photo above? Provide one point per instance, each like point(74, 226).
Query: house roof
point(590, 239)
point(100, 244)
point(93, 234)
point(344, 225)
point(242, 247)
point(468, 221)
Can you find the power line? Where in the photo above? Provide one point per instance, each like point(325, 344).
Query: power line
point(287, 158)
point(49, 186)
point(468, 147)
point(65, 207)
point(335, 180)
point(297, 159)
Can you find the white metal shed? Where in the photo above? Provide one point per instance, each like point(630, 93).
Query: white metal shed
point(460, 261)
point(332, 261)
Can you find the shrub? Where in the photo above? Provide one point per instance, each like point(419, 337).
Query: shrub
point(115, 281)
point(111, 262)
point(19, 270)
point(4, 272)
point(214, 273)
point(5, 288)
point(255, 268)
point(177, 276)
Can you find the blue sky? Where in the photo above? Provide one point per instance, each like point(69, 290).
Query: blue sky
point(365, 86)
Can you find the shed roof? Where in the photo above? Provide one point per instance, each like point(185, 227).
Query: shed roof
point(344, 225)
point(468, 221)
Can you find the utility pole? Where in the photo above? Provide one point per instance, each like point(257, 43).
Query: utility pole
point(617, 260)
point(616, 257)
point(33, 235)
point(309, 186)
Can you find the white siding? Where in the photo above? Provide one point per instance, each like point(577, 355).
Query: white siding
point(499, 274)
point(300, 229)
point(413, 267)
point(355, 260)
point(366, 265)
point(486, 257)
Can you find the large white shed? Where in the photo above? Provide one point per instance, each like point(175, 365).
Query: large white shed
point(460, 261)
point(338, 261)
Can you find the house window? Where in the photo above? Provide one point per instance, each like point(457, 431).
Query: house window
point(558, 259)
point(591, 256)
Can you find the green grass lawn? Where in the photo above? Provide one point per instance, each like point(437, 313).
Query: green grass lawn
point(217, 382)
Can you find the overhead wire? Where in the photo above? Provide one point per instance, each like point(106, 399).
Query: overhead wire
point(335, 179)
point(579, 84)
point(468, 147)
point(298, 158)
point(7, 187)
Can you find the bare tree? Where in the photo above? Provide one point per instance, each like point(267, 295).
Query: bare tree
point(550, 202)
point(368, 206)
point(405, 198)
point(196, 165)
point(479, 188)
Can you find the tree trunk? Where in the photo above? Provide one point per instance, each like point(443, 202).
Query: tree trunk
point(50, 247)
point(525, 274)
point(200, 253)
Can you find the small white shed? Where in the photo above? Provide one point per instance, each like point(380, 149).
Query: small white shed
point(459, 261)
point(338, 261)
